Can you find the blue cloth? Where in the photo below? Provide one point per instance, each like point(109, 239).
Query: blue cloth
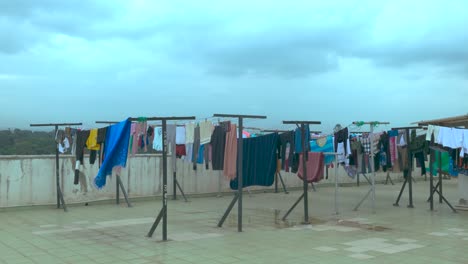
point(115, 150)
point(258, 161)
point(327, 147)
point(201, 155)
point(298, 138)
point(392, 133)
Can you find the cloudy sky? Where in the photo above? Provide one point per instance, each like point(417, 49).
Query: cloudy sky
point(333, 61)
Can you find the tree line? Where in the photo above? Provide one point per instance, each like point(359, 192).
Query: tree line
point(26, 142)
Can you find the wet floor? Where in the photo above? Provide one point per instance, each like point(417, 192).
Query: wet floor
point(115, 234)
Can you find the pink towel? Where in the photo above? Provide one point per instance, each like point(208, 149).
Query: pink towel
point(314, 167)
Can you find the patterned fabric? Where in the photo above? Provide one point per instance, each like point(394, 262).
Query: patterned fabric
point(115, 149)
point(323, 144)
point(366, 144)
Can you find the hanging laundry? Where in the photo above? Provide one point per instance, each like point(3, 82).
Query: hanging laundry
point(432, 130)
point(171, 144)
point(158, 139)
point(450, 137)
point(230, 153)
point(201, 154)
point(196, 146)
point(189, 153)
point(180, 151)
point(298, 139)
point(91, 142)
point(464, 149)
point(180, 135)
point(218, 143)
point(116, 149)
point(150, 136)
point(314, 167)
point(341, 137)
point(81, 138)
point(366, 144)
point(207, 155)
point(189, 133)
point(258, 161)
point(206, 129)
point(323, 144)
point(286, 154)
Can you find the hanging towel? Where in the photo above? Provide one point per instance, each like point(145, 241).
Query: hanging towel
point(218, 143)
point(314, 167)
point(116, 149)
point(180, 135)
point(206, 129)
point(189, 133)
point(230, 153)
point(298, 139)
point(259, 161)
point(157, 141)
point(171, 144)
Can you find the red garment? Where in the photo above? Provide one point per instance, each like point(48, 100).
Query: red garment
point(314, 166)
point(180, 150)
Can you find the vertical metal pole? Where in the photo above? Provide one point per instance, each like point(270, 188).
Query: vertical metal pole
point(276, 179)
point(336, 185)
point(440, 177)
point(117, 190)
point(431, 181)
point(304, 174)
point(239, 175)
point(164, 131)
point(410, 167)
point(57, 176)
point(373, 168)
point(174, 187)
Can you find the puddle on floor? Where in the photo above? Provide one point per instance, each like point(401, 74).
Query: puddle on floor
point(273, 218)
point(370, 227)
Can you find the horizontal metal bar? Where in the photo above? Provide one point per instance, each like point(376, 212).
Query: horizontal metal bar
point(237, 116)
point(57, 124)
point(410, 127)
point(106, 122)
point(275, 130)
point(303, 122)
point(371, 123)
point(166, 118)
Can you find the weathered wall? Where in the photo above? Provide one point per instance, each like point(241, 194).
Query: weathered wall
point(30, 180)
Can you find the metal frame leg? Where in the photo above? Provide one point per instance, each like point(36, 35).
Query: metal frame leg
point(292, 207)
point(282, 183)
point(388, 178)
point(181, 191)
point(228, 210)
point(120, 184)
point(447, 202)
point(156, 222)
point(60, 196)
point(363, 199)
point(313, 187)
point(432, 191)
point(276, 182)
point(401, 192)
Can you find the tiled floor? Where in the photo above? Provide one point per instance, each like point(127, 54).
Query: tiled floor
point(116, 234)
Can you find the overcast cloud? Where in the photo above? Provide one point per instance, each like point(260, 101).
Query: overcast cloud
point(334, 61)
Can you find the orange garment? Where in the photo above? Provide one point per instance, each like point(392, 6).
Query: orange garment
point(230, 153)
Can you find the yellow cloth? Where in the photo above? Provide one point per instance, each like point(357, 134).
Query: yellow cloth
point(91, 143)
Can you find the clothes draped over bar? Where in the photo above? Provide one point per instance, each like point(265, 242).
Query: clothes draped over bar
point(259, 161)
